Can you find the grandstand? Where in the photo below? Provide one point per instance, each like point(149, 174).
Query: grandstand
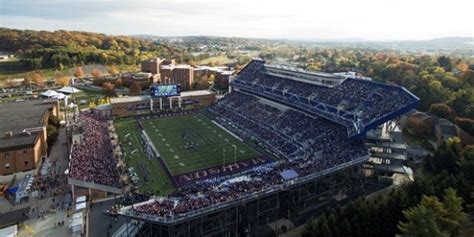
point(312, 123)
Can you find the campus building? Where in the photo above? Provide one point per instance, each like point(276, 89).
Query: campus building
point(23, 134)
point(151, 65)
point(143, 78)
point(182, 74)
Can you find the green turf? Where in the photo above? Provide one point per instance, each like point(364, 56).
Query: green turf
point(167, 136)
point(158, 182)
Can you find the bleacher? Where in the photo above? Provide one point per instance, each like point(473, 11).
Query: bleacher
point(359, 105)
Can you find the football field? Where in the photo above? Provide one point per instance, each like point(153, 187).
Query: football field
point(151, 175)
point(192, 142)
point(186, 143)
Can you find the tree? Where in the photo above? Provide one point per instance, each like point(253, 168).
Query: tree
point(445, 158)
point(445, 62)
point(421, 222)
point(119, 83)
point(38, 79)
point(26, 81)
point(108, 88)
point(78, 72)
point(9, 83)
point(54, 120)
point(62, 81)
point(113, 70)
point(418, 127)
point(96, 73)
point(135, 88)
point(453, 205)
point(442, 110)
point(465, 124)
point(463, 102)
point(51, 134)
point(211, 78)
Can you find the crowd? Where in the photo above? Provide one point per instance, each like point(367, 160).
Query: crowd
point(92, 159)
point(365, 100)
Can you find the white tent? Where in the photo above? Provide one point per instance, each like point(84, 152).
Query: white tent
point(60, 96)
point(50, 93)
point(69, 90)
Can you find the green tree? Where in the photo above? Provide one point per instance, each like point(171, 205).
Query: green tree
point(51, 134)
point(421, 222)
point(455, 215)
point(54, 120)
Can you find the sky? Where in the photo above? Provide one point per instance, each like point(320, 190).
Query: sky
point(277, 19)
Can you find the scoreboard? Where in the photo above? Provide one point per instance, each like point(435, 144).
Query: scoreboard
point(165, 90)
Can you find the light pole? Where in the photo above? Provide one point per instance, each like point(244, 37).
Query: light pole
point(235, 153)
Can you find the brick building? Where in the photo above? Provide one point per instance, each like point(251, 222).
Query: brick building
point(143, 78)
point(23, 134)
point(151, 65)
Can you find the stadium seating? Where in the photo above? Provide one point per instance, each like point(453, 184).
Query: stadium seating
point(358, 104)
point(92, 159)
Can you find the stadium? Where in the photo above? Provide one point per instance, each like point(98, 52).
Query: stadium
point(282, 144)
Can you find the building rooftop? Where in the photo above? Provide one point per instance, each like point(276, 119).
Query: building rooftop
point(21, 115)
point(195, 93)
point(129, 99)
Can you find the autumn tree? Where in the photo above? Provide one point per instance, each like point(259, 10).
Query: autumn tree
point(96, 73)
point(113, 70)
point(78, 72)
point(9, 83)
point(211, 78)
point(108, 89)
point(26, 81)
point(62, 81)
point(119, 83)
point(135, 88)
point(465, 124)
point(38, 79)
point(442, 110)
point(417, 127)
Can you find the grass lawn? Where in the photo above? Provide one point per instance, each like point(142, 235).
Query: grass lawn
point(158, 182)
point(192, 142)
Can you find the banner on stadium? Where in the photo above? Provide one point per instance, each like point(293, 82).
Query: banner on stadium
point(220, 170)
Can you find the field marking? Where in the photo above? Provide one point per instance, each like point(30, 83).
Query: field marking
point(225, 129)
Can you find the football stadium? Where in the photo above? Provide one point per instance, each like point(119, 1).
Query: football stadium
point(282, 144)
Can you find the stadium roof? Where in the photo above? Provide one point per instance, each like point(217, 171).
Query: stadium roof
point(129, 99)
point(18, 116)
point(195, 93)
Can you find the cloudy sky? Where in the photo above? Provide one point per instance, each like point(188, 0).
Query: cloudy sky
point(288, 19)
